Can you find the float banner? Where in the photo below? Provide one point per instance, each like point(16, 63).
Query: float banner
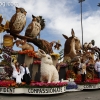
point(89, 86)
point(13, 90)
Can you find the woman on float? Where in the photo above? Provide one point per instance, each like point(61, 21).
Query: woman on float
point(16, 72)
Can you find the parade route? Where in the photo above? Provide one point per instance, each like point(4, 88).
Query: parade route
point(82, 95)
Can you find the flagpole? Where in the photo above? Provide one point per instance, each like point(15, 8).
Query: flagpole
point(80, 1)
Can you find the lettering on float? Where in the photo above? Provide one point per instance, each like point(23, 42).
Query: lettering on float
point(7, 90)
point(46, 90)
point(35, 90)
point(90, 86)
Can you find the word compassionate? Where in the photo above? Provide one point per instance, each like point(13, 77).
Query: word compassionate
point(53, 90)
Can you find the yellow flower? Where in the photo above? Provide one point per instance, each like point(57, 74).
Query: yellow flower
point(55, 55)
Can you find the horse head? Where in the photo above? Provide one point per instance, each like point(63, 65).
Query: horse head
point(72, 45)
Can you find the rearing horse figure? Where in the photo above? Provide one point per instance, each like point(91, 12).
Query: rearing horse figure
point(72, 46)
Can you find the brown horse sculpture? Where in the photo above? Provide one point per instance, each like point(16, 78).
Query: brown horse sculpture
point(72, 46)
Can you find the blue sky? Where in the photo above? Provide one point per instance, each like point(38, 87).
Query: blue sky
point(60, 17)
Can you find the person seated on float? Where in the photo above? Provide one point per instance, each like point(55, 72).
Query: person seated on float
point(97, 67)
point(82, 67)
point(16, 72)
point(26, 76)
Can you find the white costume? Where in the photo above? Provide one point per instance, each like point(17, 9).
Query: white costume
point(18, 75)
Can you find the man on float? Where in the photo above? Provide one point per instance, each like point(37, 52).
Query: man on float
point(26, 76)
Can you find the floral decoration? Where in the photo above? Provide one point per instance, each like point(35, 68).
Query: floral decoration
point(8, 70)
point(37, 62)
point(42, 84)
point(9, 50)
point(55, 55)
point(62, 64)
point(6, 83)
point(78, 77)
point(71, 74)
point(30, 53)
point(11, 83)
point(88, 81)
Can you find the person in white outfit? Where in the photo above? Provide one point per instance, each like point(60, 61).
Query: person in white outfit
point(97, 67)
point(16, 72)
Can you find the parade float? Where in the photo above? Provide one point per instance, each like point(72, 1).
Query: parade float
point(49, 74)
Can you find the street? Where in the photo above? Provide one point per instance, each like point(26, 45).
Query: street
point(82, 95)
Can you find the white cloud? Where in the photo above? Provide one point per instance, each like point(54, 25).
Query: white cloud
point(61, 17)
